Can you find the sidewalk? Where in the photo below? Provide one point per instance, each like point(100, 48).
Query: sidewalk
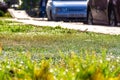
point(21, 16)
point(76, 26)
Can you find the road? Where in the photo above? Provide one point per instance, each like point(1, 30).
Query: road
point(21, 16)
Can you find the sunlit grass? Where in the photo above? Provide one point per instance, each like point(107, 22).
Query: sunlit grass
point(20, 37)
point(86, 65)
point(45, 53)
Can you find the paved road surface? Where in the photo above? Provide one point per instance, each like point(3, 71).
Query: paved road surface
point(21, 16)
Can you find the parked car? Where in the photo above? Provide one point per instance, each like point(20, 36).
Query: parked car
point(104, 12)
point(67, 9)
point(3, 6)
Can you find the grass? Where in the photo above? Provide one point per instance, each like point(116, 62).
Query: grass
point(16, 36)
point(45, 53)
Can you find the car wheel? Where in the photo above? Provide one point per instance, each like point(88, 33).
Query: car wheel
point(50, 16)
point(112, 18)
point(54, 18)
point(90, 18)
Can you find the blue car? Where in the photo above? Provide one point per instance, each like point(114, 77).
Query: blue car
point(67, 9)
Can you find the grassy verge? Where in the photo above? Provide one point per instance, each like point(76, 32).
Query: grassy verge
point(44, 53)
point(18, 37)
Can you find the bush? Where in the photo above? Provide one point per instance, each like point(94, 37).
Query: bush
point(2, 13)
point(7, 14)
point(87, 65)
